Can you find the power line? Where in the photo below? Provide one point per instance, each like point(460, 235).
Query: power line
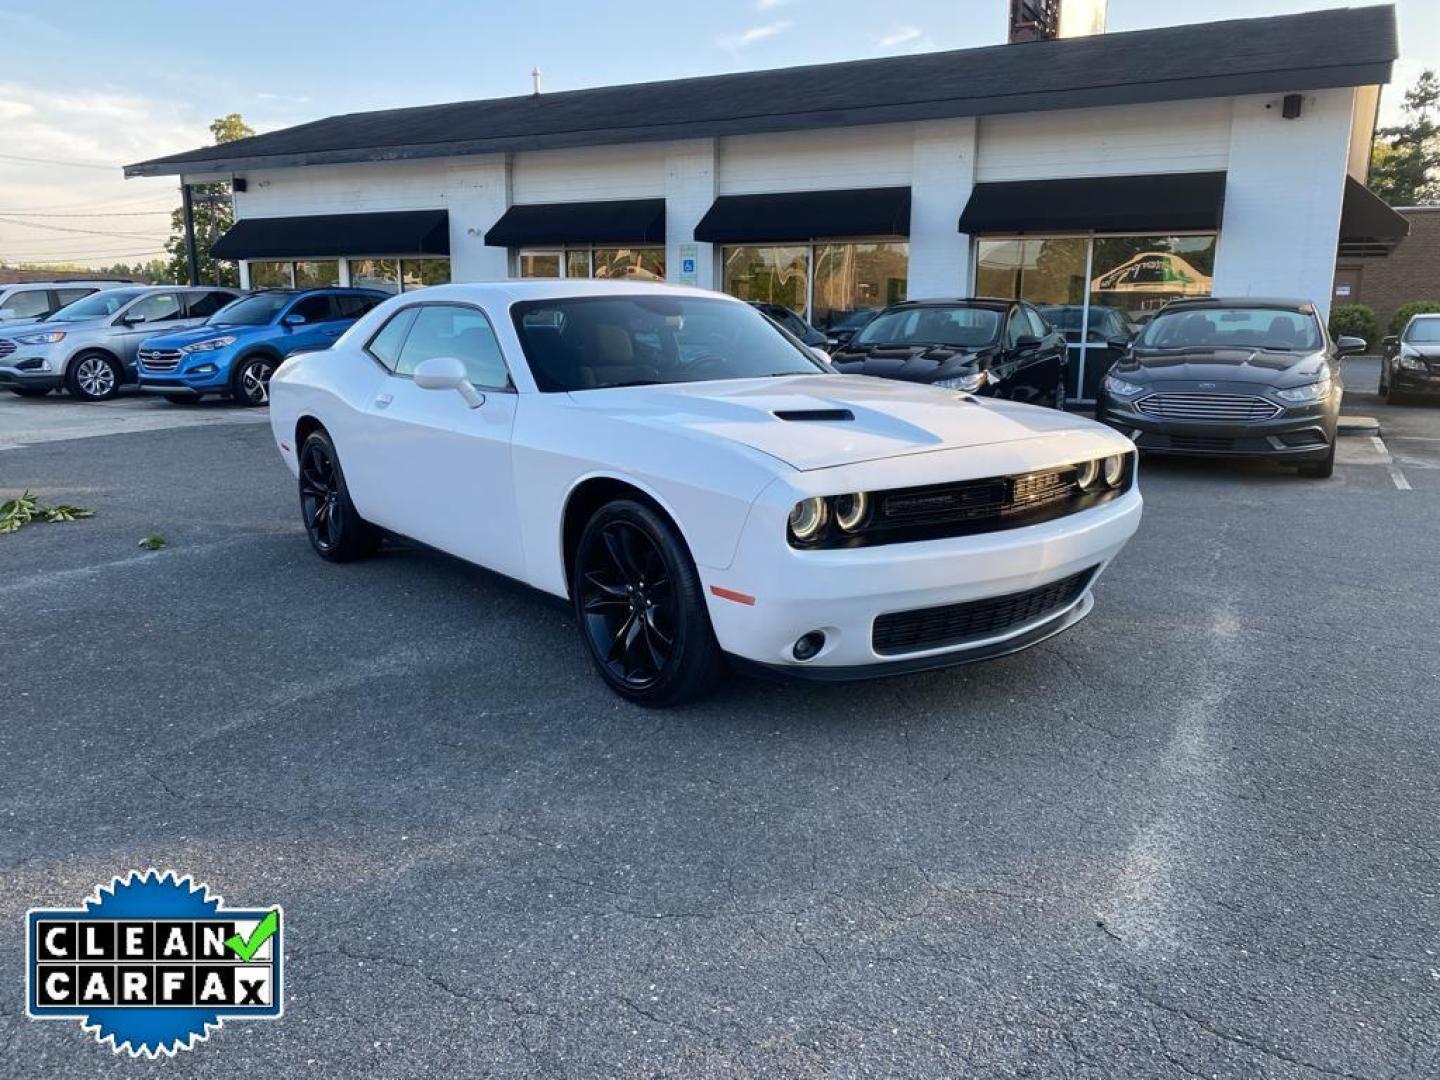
point(68, 229)
point(110, 214)
point(52, 259)
point(53, 161)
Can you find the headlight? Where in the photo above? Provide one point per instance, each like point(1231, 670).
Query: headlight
point(50, 337)
point(1411, 359)
point(1087, 474)
point(808, 518)
point(968, 383)
point(209, 345)
point(1114, 470)
point(1316, 391)
point(850, 510)
point(1121, 388)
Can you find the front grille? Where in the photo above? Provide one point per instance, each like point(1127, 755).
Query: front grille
point(1201, 442)
point(970, 500)
point(974, 620)
point(6, 346)
point(1207, 408)
point(159, 359)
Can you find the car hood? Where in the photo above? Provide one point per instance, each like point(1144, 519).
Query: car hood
point(39, 326)
point(797, 419)
point(1428, 350)
point(910, 363)
point(178, 339)
point(8, 324)
point(1254, 366)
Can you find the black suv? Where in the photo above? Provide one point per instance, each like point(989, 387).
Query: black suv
point(994, 348)
point(1231, 378)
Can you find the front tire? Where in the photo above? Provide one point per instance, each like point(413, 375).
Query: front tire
point(1324, 468)
point(250, 384)
point(93, 377)
point(641, 608)
point(336, 530)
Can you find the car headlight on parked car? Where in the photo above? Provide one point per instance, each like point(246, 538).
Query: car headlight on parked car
point(209, 344)
point(1411, 359)
point(1114, 470)
point(968, 383)
point(808, 518)
point(49, 337)
point(1087, 474)
point(1303, 395)
point(1121, 388)
point(851, 510)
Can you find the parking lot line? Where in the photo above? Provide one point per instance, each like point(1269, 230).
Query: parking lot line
point(1401, 484)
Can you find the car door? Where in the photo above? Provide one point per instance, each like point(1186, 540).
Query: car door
point(1050, 359)
point(307, 324)
point(152, 314)
point(434, 468)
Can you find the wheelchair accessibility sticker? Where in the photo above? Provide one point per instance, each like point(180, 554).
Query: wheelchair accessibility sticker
point(153, 963)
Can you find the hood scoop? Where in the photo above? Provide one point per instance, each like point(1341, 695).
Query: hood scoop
point(806, 415)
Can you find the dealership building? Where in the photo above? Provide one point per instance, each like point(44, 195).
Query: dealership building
point(1112, 171)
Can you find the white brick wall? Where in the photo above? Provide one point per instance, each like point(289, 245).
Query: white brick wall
point(874, 156)
point(943, 170)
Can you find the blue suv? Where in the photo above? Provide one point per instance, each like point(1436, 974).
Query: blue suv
point(238, 348)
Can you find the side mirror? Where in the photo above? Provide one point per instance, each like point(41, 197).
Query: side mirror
point(819, 354)
point(1349, 346)
point(7, 313)
point(1390, 340)
point(293, 320)
point(448, 373)
point(1027, 343)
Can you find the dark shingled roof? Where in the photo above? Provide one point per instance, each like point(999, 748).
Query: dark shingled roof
point(1278, 54)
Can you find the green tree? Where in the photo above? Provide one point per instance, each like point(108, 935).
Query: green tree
point(1405, 160)
point(213, 215)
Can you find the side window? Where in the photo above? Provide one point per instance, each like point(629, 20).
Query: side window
point(313, 309)
point(1016, 327)
point(385, 345)
point(461, 332)
point(161, 307)
point(69, 296)
point(29, 304)
point(203, 305)
point(352, 307)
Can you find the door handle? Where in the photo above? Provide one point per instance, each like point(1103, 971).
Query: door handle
point(383, 401)
point(333, 333)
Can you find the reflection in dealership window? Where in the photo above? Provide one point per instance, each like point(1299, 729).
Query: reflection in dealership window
point(857, 277)
point(380, 274)
point(636, 264)
point(418, 273)
point(317, 275)
point(271, 275)
point(1049, 271)
point(775, 275)
point(540, 264)
point(1139, 274)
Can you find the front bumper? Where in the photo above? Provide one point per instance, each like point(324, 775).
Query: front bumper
point(34, 377)
point(1414, 381)
point(202, 374)
point(1299, 431)
point(842, 592)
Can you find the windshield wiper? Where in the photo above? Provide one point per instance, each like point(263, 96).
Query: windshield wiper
point(633, 382)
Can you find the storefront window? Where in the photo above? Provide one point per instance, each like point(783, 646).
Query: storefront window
point(577, 263)
point(540, 264)
point(852, 278)
point(639, 264)
point(776, 275)
point(270, 275)
point(1042, 271)
point(317, 275)
point(382, 274)
point(418, 273)
point(1137, 274)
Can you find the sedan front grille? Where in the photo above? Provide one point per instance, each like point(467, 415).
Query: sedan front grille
point(159, 359)
point(6, 346)
point(1207, 408)
point(974, 620)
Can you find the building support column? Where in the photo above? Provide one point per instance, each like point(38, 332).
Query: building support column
point(690, 184)
point(942, 178)
point(477, 195)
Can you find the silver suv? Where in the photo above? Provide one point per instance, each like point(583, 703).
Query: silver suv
point(29, 301)
point(89, 347)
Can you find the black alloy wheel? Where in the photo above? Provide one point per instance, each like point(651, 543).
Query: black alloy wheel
point(251, 385)
point(640, 607)
point(336, 531)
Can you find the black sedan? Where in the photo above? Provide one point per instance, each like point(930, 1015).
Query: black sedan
point(1231, 378)
point(1411, 364)
point(994, 348)
point(792, 322)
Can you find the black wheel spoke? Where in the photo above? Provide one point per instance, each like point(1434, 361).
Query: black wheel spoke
point(624, 601)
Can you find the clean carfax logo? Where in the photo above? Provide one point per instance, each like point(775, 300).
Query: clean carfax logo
point(152, 963)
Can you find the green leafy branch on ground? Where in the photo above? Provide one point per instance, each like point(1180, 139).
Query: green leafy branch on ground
point(22, 511)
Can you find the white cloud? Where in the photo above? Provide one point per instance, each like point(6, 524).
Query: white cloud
point(92, 126)
point(909, 38)
point(754, 34)
point(766, 5)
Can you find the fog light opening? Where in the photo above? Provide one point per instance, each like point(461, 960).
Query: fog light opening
point(809, 646)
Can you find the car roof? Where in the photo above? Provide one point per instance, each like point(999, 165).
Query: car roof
point(1279, 303)
point(956, 301)
point(514, 291)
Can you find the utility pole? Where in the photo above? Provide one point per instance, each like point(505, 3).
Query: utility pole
point(187, 210)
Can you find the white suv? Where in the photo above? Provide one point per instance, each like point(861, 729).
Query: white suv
point(28, 301)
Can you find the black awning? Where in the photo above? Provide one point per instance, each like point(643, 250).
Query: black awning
point(806, 215)
point(1160, 203)
point(621, 221)
point(1367, 218)
point(404, 232)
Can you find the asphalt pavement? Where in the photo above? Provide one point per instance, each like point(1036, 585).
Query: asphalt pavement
point(1194, 837)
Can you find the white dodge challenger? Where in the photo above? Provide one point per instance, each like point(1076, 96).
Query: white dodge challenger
point(699, 484)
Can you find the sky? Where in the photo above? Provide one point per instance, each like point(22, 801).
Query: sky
point(91, 85)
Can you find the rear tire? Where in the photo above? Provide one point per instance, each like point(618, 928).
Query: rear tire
point(93, 377)
point(641, 608)
point(1325, 468)
point(336, 530)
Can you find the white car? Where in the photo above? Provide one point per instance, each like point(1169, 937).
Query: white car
point(699, 484)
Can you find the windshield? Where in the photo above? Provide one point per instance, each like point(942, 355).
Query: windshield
point(251, 310)
point(590, 343)
point(962, 327)
point(1233, 328)
point(95, 306)
point(1423, 332)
